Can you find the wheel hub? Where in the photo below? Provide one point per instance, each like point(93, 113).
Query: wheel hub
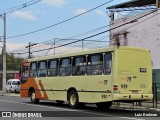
point(73, 99)
point(33, 96)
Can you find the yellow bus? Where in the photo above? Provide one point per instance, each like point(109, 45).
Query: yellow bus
point(100, 76)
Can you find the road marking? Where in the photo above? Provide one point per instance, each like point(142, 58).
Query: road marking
point(83, 111)
point(35, 105)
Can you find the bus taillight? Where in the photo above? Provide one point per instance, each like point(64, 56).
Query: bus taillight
point(115, 87)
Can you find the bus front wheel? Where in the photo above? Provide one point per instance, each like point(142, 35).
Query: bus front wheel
point(33, 97)
point(73, 99)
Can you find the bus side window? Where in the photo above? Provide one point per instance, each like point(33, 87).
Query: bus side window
point(33, 69)
point(79, 65)
point(107, 63)
point(42, 69)
point(52, 68)
point(65, 67)
point(95, 64)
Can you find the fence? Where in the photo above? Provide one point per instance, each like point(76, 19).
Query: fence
point(156, 94)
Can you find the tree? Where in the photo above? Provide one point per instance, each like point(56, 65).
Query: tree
point(12, 62)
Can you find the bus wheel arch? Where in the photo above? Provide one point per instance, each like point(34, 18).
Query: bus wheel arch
point(73, 98)
point(30, 91)
point(32, 95)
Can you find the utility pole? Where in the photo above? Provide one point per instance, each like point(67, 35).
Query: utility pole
point(82, 44)
point(158, 3)
point(54, 46)
point(29, 49)
point(4, 55)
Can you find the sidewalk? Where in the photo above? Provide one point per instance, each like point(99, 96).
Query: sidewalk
point(144, 105)
point(9, 94)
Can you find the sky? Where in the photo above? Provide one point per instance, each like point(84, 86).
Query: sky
point(49, 12)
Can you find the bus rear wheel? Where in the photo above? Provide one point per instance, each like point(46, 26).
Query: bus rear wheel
point(73, 99)
point(104, 105)
point(33, 97)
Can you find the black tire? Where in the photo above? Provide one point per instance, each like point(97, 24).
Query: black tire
point(104, 105)
point(32, 97)
point(15, 92)
point(60, 102)
point(73, 100)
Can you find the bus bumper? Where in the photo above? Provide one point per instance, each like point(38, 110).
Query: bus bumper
point(133, 97)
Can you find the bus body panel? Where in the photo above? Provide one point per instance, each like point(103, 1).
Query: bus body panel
point(89, 91)
point(132, 84)
point(134, 78)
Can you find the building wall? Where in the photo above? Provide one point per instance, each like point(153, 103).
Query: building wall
point(9, 75)
point(143, 33)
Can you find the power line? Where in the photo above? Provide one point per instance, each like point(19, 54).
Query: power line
point(41, 29)
point(51, 41)
point(89, 31)
point(66, 39)
point(102, 32)
point(81, 34)
point(19, 7)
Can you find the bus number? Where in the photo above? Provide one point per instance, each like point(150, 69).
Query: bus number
point(143, 70)
point(124, 86)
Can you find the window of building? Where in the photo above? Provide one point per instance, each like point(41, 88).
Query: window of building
point(79, 65)
point(107, 63)
point(42, 69)
point(52, 68)
point(33, 69)
point(65, 67)
point(95, 64)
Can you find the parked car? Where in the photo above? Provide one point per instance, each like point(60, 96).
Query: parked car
point(12, 84)
point(18, 88)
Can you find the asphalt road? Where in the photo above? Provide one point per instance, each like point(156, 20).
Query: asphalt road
point(20, 108)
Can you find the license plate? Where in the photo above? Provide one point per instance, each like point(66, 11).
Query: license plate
point(134, 91)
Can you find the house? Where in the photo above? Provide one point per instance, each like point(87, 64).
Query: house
point(139, 27)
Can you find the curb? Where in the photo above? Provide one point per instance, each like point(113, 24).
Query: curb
point(135, 107)
point(156, 109)
point(11, 95)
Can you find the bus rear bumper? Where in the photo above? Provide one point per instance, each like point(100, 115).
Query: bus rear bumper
point(132, 97)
